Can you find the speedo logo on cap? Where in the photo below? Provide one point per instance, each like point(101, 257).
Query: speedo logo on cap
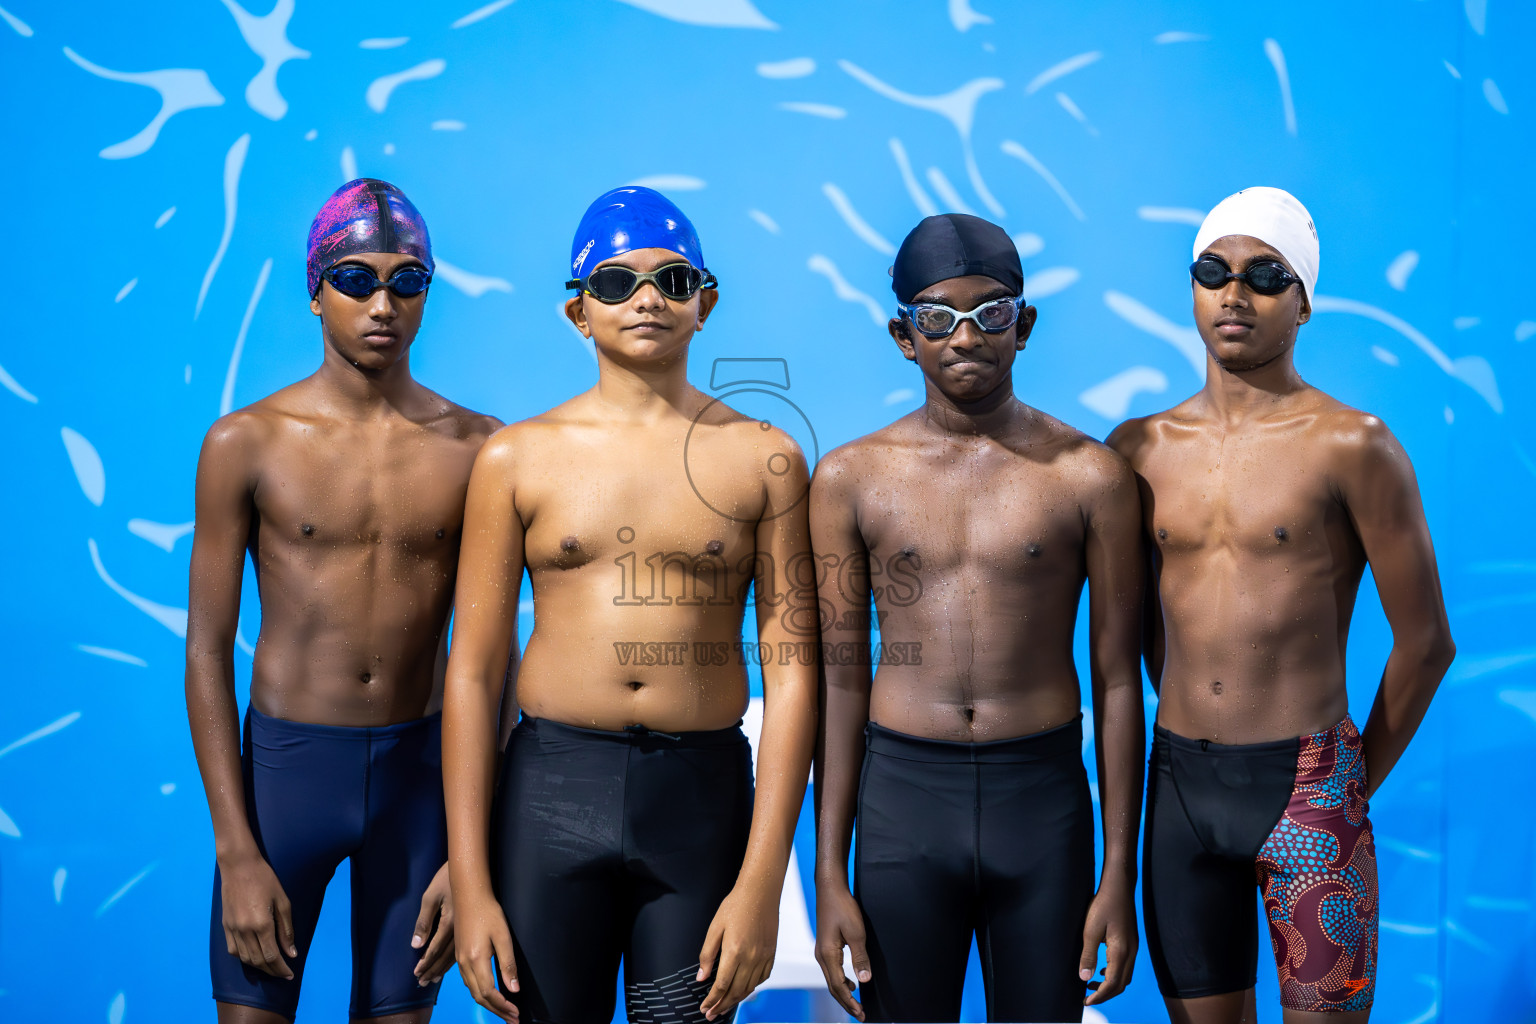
point(581, 257)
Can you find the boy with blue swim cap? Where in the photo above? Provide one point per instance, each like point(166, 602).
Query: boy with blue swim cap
point(347, 491)
point(623, 824)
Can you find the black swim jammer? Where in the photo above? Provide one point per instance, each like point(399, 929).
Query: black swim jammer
point(994, 839)
point(610, 845)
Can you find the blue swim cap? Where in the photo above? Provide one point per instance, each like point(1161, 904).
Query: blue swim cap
point(628, 218)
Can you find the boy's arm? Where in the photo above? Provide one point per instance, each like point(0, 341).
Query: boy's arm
point(1115, 565)
point(258, 921)
point(1129, 440)
point(485, 622)
point(1153, 640)
point(1379, 489)
point(846, 679)
point(511, 711)
point(743, 934)
point(434, 922)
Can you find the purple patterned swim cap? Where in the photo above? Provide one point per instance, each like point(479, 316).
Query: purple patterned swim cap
point(365, 215)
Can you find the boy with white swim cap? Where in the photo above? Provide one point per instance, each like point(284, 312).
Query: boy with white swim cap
point(1263, 502)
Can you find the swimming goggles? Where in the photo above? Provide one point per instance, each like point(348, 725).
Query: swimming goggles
point(677, 281)
point(936, 320)
point(359, 281)
point(1264, 278)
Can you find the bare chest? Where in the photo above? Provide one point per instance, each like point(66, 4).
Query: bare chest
point(644, 508)
point(1248, 496)
point(1001, 517)
point(398, 491)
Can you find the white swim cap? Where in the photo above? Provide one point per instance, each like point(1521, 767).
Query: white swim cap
point(1273, 216)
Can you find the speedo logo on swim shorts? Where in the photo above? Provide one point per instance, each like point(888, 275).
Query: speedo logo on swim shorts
point(581, 257)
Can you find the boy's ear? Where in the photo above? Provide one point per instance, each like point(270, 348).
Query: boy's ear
point(901, 334)
point(576, 313)
point(1025, 325)
point(707, 299)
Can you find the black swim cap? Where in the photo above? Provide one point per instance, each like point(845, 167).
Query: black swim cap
point(955, 245)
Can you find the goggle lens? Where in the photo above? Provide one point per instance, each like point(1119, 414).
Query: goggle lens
point(354, 281)
point(997, 316)
point(611, 284)
point(1267, 279)
point(1210, 273)
point(678, 280)
point(933, 320)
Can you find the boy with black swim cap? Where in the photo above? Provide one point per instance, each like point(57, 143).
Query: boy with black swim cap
point(1264, 500)
point(347, 489)
point(963, 767)
point(623, 824)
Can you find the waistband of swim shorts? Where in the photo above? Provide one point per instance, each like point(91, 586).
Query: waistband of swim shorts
point(1197, 746)
point(636, 734)
point(273, 727)
point(1060, 741)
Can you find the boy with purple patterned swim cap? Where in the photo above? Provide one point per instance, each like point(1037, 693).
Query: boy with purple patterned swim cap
point(347, 490)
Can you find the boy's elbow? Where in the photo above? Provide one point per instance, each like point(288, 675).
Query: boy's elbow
point(1443, 651)
point(1435, 650)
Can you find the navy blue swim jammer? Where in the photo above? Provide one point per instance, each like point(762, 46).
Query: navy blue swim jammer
point(316, 795)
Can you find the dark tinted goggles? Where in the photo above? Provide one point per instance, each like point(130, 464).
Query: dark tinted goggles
point(1263, 278)
point(677, 281)
point(359, 281)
